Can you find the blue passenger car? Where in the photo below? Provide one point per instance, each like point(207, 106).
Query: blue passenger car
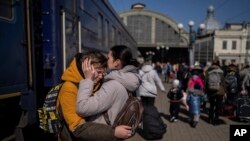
point(38, 39)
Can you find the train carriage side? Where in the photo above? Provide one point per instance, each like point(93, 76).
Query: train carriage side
point(38, 40)
point(101, 27)
point(16, 73)
point(77, 26)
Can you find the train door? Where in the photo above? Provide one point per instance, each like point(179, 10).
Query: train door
point(14, 69)
point(13, 50)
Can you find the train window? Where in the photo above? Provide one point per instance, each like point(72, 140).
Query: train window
point(113, 36)
point(82, 4)
point(100, 29)
point(6, 9)
point(106, 30)
point(70, 5)
point(119, 38)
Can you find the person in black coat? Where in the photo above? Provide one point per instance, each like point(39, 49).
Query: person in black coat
point(175, 95)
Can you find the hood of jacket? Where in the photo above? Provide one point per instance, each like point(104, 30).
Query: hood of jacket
point(72, 73)
point(127, 76)
point(147, 68)
point(214, 68)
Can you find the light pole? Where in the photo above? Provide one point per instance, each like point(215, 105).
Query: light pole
point(192, 36)
point(201, 29)
point(162, 49)
point(191, 41)
point(180, 27)
point(151, 54)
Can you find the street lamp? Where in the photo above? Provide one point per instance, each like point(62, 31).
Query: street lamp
point(202, 27)
point(191, 41)
point(180, 27)
point(192, 36)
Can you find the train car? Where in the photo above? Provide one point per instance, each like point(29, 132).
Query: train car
point(38, 39)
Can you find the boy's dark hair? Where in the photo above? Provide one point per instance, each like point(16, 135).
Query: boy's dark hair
point(95, 56)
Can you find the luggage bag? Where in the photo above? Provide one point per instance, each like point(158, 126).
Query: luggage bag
point(243, 108)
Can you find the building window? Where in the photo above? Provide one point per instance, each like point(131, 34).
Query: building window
point(224, 45)
point(6, 9)
point(234, 45)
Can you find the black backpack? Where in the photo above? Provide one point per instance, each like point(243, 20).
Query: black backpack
point(153, 127)
point(231, 83)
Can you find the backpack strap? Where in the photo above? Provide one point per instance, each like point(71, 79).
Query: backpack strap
point(67, 134)
point(64, 134)
point(106, 117)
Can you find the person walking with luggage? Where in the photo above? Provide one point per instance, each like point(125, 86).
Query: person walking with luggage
point(215, 89)
point(246, 81)
point(195, 91)
point(232, 83)
point(153, 128)
point(175, 94)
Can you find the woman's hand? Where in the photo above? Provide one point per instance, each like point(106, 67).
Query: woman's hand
point(123, 131)
point(88, 69)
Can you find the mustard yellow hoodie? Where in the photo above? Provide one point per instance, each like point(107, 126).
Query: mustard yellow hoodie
point(68, 94)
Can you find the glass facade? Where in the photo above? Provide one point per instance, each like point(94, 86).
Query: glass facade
point(140, 28)
point(165, 33)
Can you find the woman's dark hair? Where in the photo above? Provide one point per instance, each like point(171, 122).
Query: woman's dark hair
point(95, 56)
point(123, 53)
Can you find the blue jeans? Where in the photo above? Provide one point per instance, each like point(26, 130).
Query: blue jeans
point(193, 102)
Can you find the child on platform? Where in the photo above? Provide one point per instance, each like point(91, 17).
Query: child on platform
point(175, 96)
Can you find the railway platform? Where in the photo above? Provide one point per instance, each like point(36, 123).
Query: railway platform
point(182, 131)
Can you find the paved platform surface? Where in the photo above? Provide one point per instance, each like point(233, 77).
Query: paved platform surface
point(182, 131)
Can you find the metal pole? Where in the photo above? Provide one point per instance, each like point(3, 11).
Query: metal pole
point(190, 45)
point(63, 40)
point(199, 51)
point(207, 49)
point(79, 37)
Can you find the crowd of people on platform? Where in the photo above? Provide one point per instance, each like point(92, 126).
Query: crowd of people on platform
point(220, 86)
point(95, 84)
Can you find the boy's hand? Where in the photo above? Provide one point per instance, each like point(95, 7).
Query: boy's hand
point(88, 69)
point(123, 131)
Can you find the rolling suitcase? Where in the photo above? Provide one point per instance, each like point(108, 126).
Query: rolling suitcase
point(243, 108)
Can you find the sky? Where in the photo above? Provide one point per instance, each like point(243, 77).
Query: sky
point(182, 11)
